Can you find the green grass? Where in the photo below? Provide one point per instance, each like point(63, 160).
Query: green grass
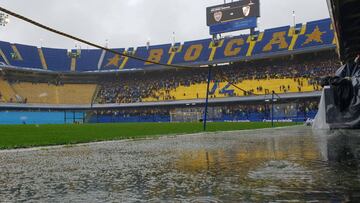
point(24, 136)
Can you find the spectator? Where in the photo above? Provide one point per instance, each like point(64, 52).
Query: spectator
point(135, 87)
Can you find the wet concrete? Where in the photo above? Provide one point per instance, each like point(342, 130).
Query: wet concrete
point(281, 165)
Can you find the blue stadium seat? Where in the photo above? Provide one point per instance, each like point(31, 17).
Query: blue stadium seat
point(112, 61)
point(203, 57)
point(57, 59)
point(30, 56)
point(88, 61)
point(132, 63)
point(265, 46)
point(144, 52)
point(6, 49)
point(220, 52)
point(165, 49)
point(318, 33)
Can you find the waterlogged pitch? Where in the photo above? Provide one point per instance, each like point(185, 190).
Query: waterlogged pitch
point(287, 165)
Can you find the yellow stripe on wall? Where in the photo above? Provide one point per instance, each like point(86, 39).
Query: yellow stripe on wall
point(214, 48)
point(42, 59)
point(4, 57)
point(126, 59)
point(173, 53)
point(16, 51)
point(303, 29)
point(73, 64)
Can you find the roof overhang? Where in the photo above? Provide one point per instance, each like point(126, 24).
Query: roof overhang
point(346, 17)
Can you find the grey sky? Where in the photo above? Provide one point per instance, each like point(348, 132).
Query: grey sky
point(127, 23)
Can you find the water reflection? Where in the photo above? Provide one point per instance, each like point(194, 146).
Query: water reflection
point(340, 146)
point(294, 164)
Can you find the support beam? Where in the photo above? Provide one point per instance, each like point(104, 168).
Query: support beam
point(207, 98)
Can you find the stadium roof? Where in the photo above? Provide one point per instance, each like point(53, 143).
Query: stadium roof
point(346, 17)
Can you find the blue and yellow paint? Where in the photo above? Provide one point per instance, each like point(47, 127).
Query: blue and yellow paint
point(309, 36)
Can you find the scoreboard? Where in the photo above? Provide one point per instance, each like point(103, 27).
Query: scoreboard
point(233, 16)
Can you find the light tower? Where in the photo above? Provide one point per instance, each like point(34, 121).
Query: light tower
point(294, 18)
point(4, 19)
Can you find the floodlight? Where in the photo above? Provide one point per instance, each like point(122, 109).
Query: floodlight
point(4, 19)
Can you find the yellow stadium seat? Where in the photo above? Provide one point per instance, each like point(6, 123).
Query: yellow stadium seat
point(6, 91)
point(199, 90)
point(44, 93)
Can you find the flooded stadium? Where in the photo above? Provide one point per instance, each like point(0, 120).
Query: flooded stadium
point(288, 164)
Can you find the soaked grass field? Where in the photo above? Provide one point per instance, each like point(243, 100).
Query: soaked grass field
point(24, 136)
point(294, 164)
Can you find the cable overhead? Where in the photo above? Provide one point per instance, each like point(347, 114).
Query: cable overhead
point(21, 17)
point(237, 87)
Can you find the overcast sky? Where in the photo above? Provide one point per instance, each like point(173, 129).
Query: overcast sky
point(127, 23)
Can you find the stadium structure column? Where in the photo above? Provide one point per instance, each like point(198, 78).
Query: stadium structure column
point(207, 98)
point(272, 108)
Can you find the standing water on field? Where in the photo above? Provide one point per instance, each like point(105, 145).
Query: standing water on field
point(273, 165)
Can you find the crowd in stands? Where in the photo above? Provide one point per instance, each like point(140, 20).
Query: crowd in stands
point(291, 109)
point(134, 87)
point(138, 86)
point(134, 112)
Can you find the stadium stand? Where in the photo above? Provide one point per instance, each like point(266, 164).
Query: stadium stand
point(313, 36)
point(224, 89)
point(284, 60)
point(257, 77)
point(44, 93)
point(57, 59)
point(298, 111)
point(87, 60)
point(7, 92)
